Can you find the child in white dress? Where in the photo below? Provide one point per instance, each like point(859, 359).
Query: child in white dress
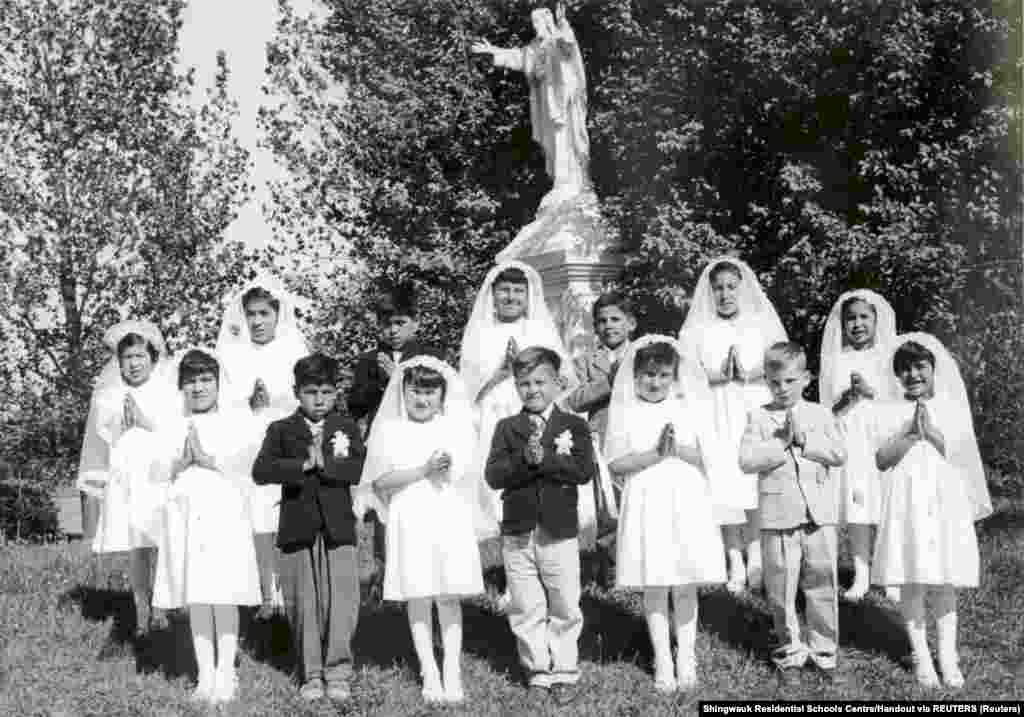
point(415, 476)
point(729, 326)
point(259, 343)
point(129, 402)
point(855, 352)
point(509, 314)
point(934, 490)
point(668, 540)
point(207, 561)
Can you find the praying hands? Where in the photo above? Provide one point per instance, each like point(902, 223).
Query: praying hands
point(314, 454)
point(192, 454)
point(921, 428)
point(132, 416)
point(791, 434)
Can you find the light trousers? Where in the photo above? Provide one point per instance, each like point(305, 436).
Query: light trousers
point(545, 616)
point(802, 558)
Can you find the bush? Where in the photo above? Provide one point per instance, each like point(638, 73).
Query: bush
point(27, 511)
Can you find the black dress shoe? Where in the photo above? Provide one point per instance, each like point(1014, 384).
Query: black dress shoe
point(564, 693)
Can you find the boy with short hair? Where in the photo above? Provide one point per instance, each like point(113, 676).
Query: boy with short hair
point(791, 444)
point(397, 321)
point(316, 454)
point(538, 458)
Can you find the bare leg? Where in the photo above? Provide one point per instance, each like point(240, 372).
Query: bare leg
point(912, 607)
point(732, 536)
point(421, 626)
point(755, 575)
point(684, 606)
point(860, 546)
point(449, 613)
point(656, 612)
point(141, 564)
point(944, 606)
point(266, 562)
point(200, 619)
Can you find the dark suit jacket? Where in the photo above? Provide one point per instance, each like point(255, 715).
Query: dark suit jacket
point(320, 500)
point(543, 495)
point(369, 382)
point(595, 390)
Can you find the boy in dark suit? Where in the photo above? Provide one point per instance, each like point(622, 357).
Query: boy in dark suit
point(396, 319)
point(538, 458)
point(316, 454)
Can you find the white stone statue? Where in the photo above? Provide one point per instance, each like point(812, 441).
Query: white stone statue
point(558, 98)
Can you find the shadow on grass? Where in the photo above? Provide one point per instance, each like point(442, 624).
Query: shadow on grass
point(267, 641)
point(166, 649)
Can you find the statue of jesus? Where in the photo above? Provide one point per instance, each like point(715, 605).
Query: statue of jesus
point(558, 96)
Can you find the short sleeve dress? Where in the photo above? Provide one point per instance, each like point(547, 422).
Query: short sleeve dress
point(207, 554)
point(667, 533)
point(431, 543)
point(926, 530)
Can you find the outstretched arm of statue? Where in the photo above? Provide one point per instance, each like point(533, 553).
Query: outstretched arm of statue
point(509, 58)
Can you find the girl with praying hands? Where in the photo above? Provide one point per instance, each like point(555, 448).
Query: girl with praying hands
point(509, 315)
point(129, 402)
point(729, 326)
point(855, 374)
point(259, 343)
point(200, 491)
point(933, 490)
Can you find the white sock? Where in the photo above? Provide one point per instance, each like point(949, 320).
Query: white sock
point(944, 607)
point(656, 612)
point(684, 605)
point(200, 619)
point(226, 624)
point(449, 613)
point(420, 612)
point(912, 608)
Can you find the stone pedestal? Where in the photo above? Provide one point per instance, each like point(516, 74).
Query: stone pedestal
point(571, 246)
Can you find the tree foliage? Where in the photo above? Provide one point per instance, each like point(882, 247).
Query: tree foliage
point(114, 189)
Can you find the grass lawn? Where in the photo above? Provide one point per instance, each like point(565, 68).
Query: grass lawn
point(59, 606)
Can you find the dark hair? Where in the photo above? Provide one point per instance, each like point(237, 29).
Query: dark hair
point(782, 354)
point(315, 369)
point(722, 267)
point(132, 339)
point(194, 363)
point(511, 275)
point(258, 293)
point(853, 300)
point(910, 353)
point(613, 298)
point(534, 356)
point(398, 301)
point(656, 354)
point(425, 377)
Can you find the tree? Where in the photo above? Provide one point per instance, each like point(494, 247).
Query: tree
point(114, 189)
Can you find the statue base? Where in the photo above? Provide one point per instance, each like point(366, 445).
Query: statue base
point(576, 255)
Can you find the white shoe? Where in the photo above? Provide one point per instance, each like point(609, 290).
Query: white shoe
point(737, 582)
point(453, 692)
point(225, 687)
point(504, 600)
point(951, 674)
point(433, 692)
point(856, 592)
point(664, 679)
point(204, 688)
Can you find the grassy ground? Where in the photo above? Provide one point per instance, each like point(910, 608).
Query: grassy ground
point(59, 606)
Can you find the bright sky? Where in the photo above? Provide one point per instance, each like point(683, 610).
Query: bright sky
point(242, 28)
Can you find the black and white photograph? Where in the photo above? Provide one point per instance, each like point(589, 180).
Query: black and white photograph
point(511, 357)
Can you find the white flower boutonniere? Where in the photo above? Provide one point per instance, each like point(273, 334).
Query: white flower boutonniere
point(340, 444)
point(563, 443)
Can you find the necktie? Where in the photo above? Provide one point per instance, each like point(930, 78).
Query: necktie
point(537, 422)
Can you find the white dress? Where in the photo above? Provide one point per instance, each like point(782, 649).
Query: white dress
point(926, 528)
point(667, 533)
point(130, 458)
point(860, 487)
point(272, 363)
point(734, 491)
point(207, 555)
point(431, 544)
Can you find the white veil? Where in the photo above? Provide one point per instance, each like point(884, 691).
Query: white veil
point(831, 385)
point(962, 448)
point(690, 383)
point(234, 330)
point(94, 461)
point(456, 412)
point(754, 306)
point(540, 328)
